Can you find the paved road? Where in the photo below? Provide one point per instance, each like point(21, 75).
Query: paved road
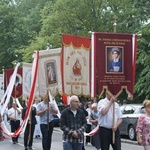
point(57, 143)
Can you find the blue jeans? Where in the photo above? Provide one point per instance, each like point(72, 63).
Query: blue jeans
point(72, 146)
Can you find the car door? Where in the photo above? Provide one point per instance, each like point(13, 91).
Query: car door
point(127, 119)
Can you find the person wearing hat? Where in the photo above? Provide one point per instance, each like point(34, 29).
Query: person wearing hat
point(115, 65)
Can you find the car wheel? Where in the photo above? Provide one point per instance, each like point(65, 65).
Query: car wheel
point(131, 133)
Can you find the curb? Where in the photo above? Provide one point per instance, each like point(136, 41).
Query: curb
point(129, 141)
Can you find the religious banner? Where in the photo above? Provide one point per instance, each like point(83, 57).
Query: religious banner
point(76, 65)
point(27, 78)
point(49, 73)
point(114, 58)
point(1, 86)
point(17, 90)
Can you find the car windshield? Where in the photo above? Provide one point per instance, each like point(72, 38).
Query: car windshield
point(132, 109)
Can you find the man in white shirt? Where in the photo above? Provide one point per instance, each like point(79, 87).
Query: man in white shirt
point(105, 108)
point(46, 110)
point(14, 116)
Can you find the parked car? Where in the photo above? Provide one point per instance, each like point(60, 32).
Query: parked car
point(130, 112)
point(56, 118)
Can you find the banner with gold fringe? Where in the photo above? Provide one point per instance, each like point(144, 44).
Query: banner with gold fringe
point(114, 62)
point(76, 65)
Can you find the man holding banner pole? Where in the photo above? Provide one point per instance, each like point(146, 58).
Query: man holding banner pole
point(46, 110)
point(107, 126)
point(29, 131)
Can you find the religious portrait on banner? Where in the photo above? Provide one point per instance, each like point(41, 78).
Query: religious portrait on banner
point(51, 72)
point(114, 59)
point(17, 90)
point(18, 80)
point(77, 68)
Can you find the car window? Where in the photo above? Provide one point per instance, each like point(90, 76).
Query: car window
point(128, 110)
point(142, 111)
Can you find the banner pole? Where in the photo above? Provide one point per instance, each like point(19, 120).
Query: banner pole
point(113, 136)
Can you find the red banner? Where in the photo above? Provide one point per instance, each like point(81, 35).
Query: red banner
point(76, 65)
point(17, 90)
point(115, 56)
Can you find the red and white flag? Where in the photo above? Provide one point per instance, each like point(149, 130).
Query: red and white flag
point(17, 90)
point(66, 100)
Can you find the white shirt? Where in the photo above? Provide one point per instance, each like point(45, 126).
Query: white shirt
point(89, 114)
point(14, 113)
point(107, 120)
point(43, 118)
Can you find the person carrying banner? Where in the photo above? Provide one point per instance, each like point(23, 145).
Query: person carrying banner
point(73, 125)
point(46, 110)
point(14, 116)
point(106, 127)
point(115, 65)
point(29, 131)
point(143, 127)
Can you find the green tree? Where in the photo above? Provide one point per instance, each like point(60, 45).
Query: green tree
point(29, 25)
point(142, 87)
point(9, 34)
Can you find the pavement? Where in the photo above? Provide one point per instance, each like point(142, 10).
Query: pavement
point(124, 140)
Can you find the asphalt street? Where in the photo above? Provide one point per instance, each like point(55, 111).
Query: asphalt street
point(57, 143)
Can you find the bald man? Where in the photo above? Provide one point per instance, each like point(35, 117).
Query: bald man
point(73, 124)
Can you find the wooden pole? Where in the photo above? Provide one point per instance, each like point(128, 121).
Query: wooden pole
point(30, 117)
point(15, 101)
point(113, 136)
point(48, 113)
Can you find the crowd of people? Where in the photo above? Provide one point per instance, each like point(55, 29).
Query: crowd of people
point(76, 120)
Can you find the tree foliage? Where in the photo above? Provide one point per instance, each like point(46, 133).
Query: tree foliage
point(29, 25)
point(143, 63)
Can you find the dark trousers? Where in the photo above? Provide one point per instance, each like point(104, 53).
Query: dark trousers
point(28, 135)
point(88, 138)
point(47, 131)
point(106, 139)
point(14, 126)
